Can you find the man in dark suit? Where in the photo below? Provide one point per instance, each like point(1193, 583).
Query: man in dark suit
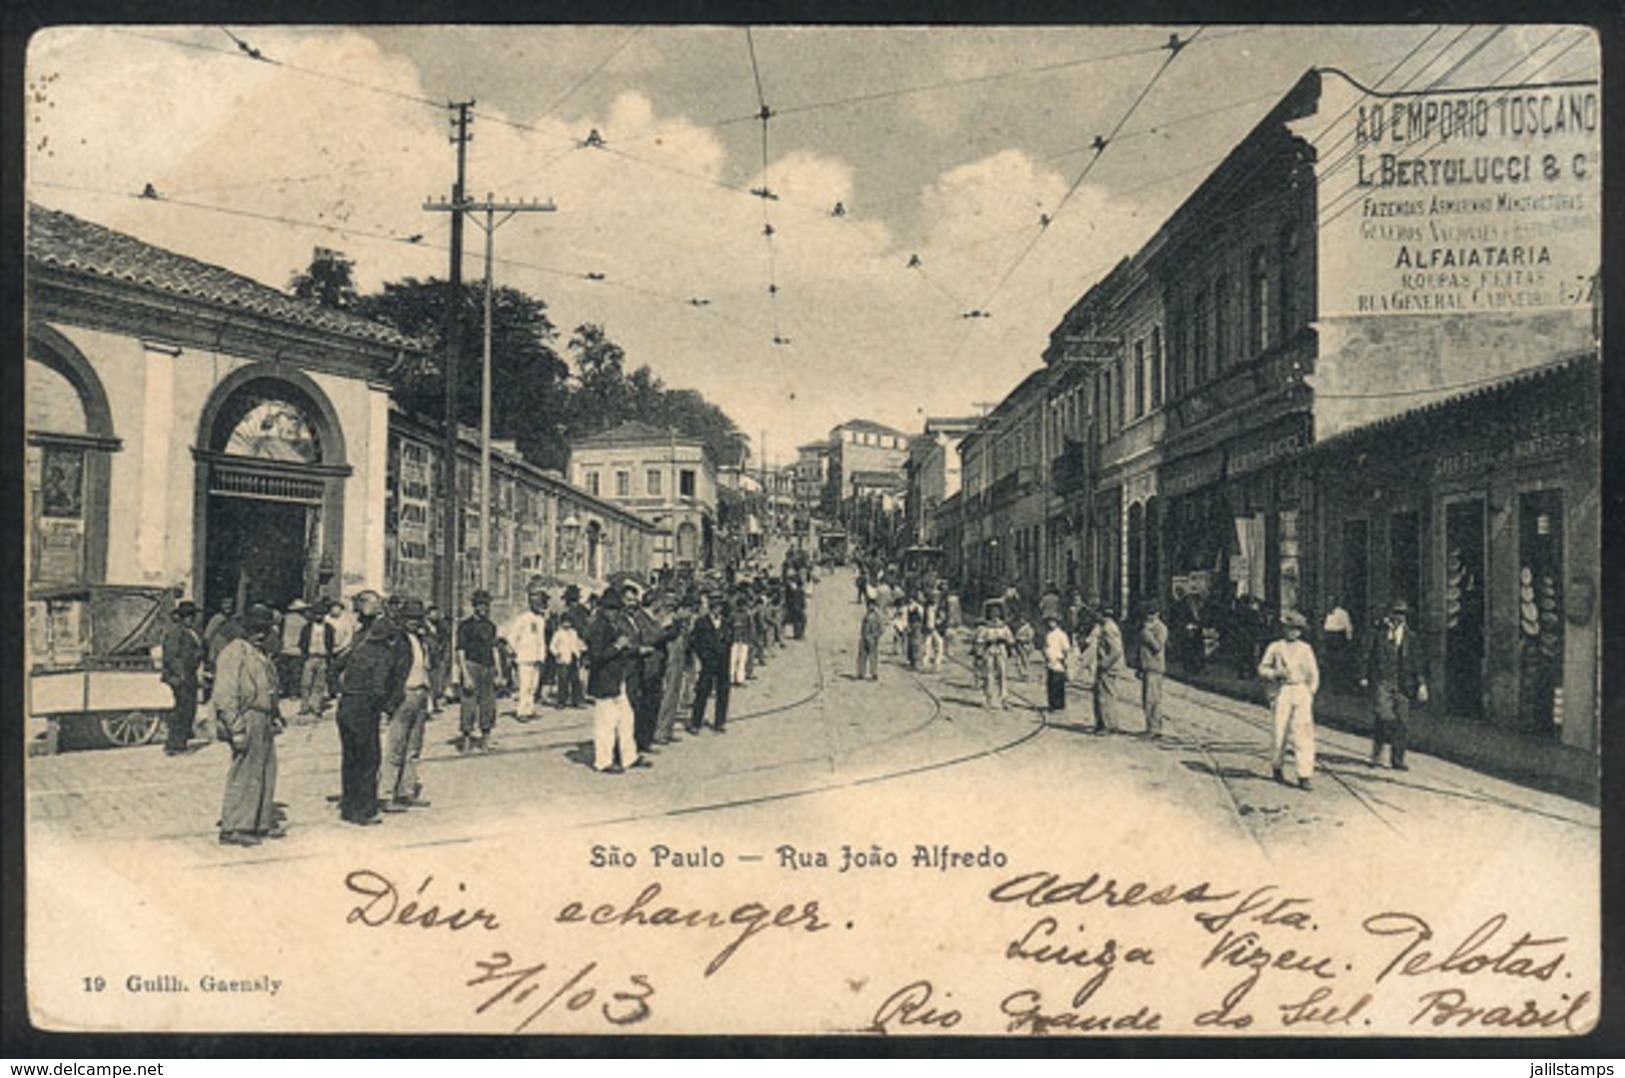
point(374, 685)
point(182, 658)
point(711, 641)
point(1393, 673)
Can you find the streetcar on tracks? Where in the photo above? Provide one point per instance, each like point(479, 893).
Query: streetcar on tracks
point(95, 664)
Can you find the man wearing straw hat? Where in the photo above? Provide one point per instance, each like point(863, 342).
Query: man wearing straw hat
point(1290, 669)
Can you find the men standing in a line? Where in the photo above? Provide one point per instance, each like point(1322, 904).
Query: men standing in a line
point(1153, 665)
point(182, 659)
point(245, 702)
point(318, 644)
point(401, 788)
point(373, 686)
point(994, 642)
point(1108, 668)
point(1393, 672)
point(527, 636)
point(870, 631)
point(1290, 668)
point(612, 649)
point(477, 673)
point(1057, 649)
point(711, 645)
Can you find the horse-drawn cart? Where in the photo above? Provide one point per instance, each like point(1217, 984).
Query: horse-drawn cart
point(94, 663)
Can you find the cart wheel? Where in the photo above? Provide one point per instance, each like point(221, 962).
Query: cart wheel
point(130, 727)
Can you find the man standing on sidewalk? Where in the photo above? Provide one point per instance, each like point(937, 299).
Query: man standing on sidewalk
point(374, 684)
point(1393, 673)
point(527, 636)
point(711, 643)
point(612, 649)
point(401, 787)
point(317, 643)
point(476, 674)
point(182, 658)
point(1290, 669)
point(1153, 665)
point(245, 700)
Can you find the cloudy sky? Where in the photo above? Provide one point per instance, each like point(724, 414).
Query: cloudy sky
point(950, 144)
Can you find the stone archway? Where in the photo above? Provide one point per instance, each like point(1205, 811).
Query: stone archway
point(269, 509)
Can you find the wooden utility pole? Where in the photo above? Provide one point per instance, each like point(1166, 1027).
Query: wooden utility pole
point(453, 337)
point(490, 225)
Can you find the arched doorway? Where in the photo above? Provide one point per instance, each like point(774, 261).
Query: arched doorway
point(70, 439)
point(270, 490)
point(688, 540)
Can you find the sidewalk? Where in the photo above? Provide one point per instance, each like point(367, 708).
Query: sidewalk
point(1541, 765)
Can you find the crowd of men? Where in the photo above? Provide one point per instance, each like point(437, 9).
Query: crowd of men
point(643, 657)
point(1087, 646)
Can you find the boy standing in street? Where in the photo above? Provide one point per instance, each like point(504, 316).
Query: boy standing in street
point(1057, 648)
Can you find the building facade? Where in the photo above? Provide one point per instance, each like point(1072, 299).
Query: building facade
point(933, 470)
point(1325, 382)
point(1004, 493)
point(860, 447)
point(540, 525)
point(669, 479)
point(188, 427)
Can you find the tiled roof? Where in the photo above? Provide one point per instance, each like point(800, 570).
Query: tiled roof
point(634, 433)
point(66, 242)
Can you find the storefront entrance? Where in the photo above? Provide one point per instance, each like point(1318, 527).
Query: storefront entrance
point(260, 550)
point(270, 493)
point(1464, 608)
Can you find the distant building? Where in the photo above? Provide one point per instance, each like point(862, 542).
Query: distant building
point(859, 445)
point(933, 470)
point(667, 478)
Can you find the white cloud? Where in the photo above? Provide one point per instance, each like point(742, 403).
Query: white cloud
point(654, 212)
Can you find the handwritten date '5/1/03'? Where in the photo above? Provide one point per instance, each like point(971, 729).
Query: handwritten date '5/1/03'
point(516, 986)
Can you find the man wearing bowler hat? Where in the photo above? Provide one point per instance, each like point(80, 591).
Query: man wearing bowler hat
point(182, 659)
point(1393, 673)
